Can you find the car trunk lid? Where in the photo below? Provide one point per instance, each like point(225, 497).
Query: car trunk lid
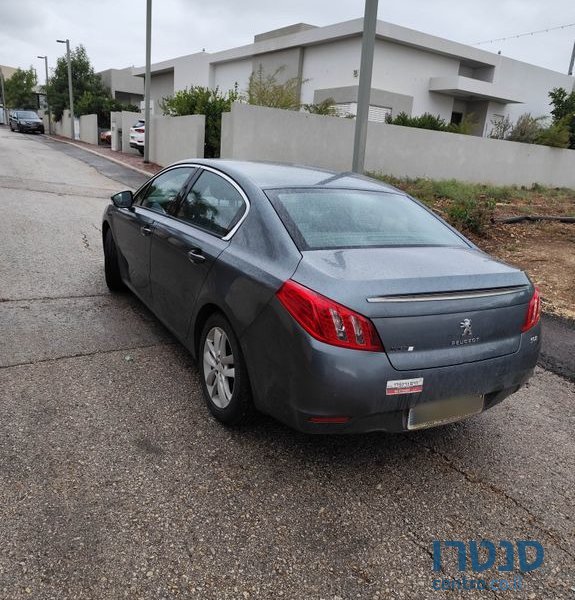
point(432, 306)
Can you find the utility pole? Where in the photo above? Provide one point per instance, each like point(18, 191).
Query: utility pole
point(46, 90)
point(4, 108)
point(147, 82)
point(572, 62)
point(364, 90)
point(70, 89)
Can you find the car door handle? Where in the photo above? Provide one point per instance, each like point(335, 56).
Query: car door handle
point(196, 256)
point(146, 230)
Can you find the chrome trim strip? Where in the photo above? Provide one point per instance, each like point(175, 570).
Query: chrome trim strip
point(449, 295)
point(179, 165)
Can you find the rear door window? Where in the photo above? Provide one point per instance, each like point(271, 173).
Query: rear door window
point(212, 204)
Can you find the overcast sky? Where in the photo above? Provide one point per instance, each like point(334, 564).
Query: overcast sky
point(113, 31)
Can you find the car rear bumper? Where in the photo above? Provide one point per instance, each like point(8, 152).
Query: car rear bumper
point(296, 378)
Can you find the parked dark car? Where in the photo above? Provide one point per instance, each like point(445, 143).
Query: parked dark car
point(331, 301)
point(26, 120)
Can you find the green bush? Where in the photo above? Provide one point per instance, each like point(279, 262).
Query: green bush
point(264, 89)
point(199, 100)
point(556, 135)
point(471, 214)
point(424, 121)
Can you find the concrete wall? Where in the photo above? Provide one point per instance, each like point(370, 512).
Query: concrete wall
point(176, 138)
point(256, 133)
point(62, 127)
point(89, 129)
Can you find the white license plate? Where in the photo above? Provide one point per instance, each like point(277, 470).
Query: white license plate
point(441, 412)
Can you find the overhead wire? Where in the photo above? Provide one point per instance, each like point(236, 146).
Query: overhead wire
point(520, 35)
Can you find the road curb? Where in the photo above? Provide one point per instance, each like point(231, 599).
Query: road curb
point(114, 160)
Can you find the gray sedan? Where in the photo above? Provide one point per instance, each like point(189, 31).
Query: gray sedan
point(330, 301)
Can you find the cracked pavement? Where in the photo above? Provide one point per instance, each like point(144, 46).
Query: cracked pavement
point(116, 483)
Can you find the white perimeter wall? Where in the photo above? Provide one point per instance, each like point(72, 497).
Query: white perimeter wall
point(176, 138)
point(89, 129)
point(256, 133)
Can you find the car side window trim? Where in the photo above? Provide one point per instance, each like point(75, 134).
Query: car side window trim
point(188, 187)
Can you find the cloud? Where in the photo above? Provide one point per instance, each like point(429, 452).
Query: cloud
point(113, 31)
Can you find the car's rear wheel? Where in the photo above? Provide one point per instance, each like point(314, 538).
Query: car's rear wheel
point(141, 151)
point(223, 372)
point(111, 264)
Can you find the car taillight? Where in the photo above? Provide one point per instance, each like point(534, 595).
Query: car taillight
point(327, 320)
point(533, 312)
point(140, 130)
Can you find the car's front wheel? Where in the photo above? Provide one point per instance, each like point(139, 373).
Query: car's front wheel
point(111, 264)
point(223, 372)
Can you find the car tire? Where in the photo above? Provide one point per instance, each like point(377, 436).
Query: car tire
point(111, 264)
point(11, 128)
point(141, 151)
point(229, 399)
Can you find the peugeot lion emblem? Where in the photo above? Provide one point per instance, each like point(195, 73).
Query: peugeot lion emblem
point(466, 326)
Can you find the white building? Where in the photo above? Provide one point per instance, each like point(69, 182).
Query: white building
point(123, 86)
point(413, 72)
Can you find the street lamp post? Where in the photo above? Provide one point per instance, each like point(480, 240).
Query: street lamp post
point(364, 90)
point(70, 91)
point(4, 107)
point(46, 90)
point(147, 81)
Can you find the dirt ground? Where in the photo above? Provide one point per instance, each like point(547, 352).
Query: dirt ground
point(545, 250)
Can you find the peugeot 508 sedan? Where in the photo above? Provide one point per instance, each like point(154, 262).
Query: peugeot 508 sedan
point(331, 301)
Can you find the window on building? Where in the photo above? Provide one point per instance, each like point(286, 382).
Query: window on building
point(377, 114)
point(456, 118)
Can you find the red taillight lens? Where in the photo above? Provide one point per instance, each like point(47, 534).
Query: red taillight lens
point(140, 130)
point(327, 320)
point(533, 311)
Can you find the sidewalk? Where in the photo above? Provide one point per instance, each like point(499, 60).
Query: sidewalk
point(132, 161)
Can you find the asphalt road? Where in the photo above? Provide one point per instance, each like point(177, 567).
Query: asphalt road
point(115, 483)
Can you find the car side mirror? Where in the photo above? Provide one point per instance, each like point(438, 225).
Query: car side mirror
point(123, 199)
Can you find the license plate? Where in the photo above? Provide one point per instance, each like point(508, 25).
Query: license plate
point(441, 412)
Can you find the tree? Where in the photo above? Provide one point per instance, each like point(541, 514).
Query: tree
point(199, 100)
point(325, 107)
point(20, 89)
point(564, 111)
point(90, 94)
point(266, 90)
point(527, 129)
point(502, 126)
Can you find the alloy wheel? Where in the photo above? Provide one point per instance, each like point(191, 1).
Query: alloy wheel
point(219, 369)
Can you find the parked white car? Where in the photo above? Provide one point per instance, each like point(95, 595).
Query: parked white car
point(137, 136)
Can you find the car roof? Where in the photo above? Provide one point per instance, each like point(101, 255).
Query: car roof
point(266, 175)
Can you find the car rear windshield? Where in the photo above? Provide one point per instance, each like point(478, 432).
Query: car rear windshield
point(322, 219)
